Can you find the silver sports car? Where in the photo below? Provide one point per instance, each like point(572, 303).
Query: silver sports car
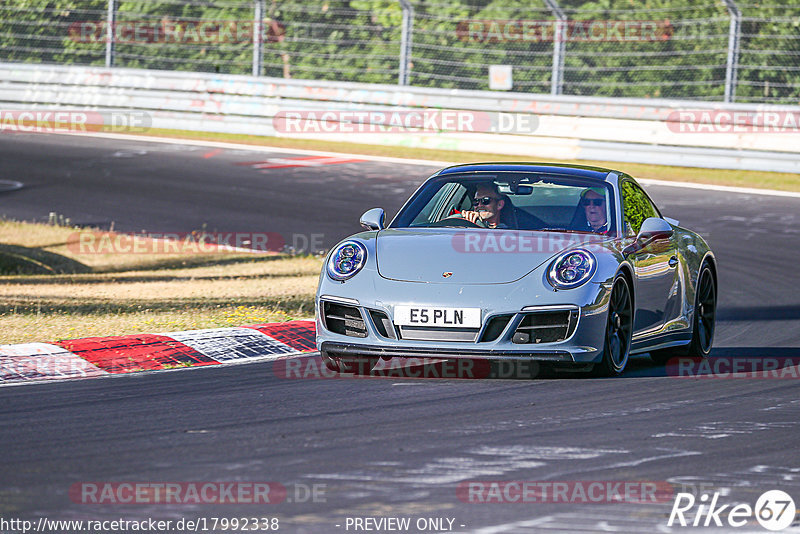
point(541, 262)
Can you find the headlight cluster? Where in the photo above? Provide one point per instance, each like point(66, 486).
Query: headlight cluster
point(571, 269)
point(346, 260)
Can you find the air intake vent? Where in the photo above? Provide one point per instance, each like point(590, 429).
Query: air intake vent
point(546, 327)
point(345, 320)
point(383, 324)
point(495, 327)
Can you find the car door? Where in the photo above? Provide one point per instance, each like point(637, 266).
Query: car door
point(655, 262)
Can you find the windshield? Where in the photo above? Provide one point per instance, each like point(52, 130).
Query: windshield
point(519, 202)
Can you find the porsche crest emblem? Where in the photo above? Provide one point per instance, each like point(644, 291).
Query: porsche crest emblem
point(447, 274)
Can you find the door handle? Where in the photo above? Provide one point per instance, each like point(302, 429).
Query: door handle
point(673, 261)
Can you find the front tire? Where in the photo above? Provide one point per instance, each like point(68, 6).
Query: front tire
point(619, 330)
point(703, 323)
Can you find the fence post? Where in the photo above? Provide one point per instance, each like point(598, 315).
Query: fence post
point(110, 32)
point(258, 30)
point(406, 36)
point(734, 34)
point(559, 48)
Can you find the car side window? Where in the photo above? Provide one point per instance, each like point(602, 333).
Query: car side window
point(450, 196)
point(636, 207)
point(459, 201)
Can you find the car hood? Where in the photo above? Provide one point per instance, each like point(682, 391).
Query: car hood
point(473, 256)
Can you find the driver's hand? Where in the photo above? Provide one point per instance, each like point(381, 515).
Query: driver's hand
point(472, 216)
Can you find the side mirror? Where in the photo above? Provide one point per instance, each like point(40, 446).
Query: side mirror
point(373, 219)
point(654, 228)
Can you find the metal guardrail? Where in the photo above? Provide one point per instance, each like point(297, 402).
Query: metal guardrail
point(569, 127)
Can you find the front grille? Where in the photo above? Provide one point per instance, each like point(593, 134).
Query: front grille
point(344, 320)
point(382, 324)
point(546, 326)
point(495, 327)
point(426, 333)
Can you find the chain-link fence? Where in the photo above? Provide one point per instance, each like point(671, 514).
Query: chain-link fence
point(719, 50)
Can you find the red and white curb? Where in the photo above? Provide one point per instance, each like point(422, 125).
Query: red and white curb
point(101, 356)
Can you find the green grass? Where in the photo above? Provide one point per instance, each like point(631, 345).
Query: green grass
point(50, 292)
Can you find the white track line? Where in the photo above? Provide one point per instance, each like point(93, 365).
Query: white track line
point(722, 188)
point(422, 162)
point(10, 185)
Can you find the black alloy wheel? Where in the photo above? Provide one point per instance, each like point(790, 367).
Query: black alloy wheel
point(619, 330)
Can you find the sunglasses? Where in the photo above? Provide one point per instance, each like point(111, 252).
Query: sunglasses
point(592, 201)
point(483, 201)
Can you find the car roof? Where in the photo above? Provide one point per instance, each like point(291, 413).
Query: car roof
point(583, 171)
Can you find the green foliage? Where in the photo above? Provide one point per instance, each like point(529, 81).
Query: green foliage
point(636, 207)
point(37, 31)
point(359, 40)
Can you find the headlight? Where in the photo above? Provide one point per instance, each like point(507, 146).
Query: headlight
point(571, 269)
point(346, 260)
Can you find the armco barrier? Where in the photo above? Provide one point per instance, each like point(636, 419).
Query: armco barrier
point(569, 127)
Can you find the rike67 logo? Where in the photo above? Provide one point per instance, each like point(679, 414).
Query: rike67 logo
point(774, 510)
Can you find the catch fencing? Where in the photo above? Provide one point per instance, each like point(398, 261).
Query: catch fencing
point(719, 51)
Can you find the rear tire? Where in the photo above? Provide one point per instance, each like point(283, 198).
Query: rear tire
point(349, 365)
point(703, 323)
point(619, 330)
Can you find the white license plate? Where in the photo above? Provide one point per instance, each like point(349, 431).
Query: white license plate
point(436, 316)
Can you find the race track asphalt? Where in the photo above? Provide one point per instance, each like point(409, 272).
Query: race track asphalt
point(386, 447)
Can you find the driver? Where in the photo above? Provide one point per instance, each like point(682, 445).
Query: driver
point(487, 205)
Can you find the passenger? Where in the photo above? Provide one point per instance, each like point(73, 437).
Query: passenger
point(593, 203)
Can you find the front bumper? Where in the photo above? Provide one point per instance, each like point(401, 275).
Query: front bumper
point(406, 351)
point(584, 345)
